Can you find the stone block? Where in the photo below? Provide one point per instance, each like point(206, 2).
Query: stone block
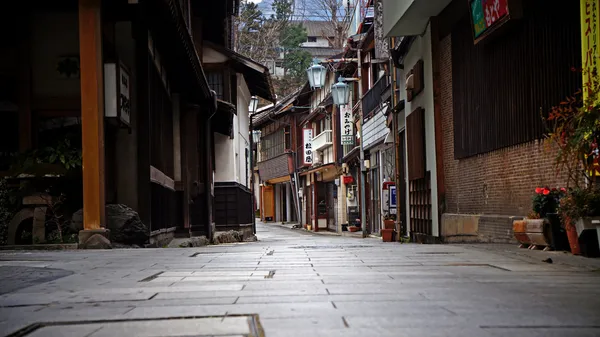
point(94, 239)
point(459, 224)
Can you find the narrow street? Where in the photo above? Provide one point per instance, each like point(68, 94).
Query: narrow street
point(292, 283)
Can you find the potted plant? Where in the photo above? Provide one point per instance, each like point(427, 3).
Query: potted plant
point(545, 204)
point(574, 130)
point(577, 211)
point(389, 221)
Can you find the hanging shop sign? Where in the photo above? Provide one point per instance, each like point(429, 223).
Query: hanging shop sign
point(346, 121)
point(489, 15)
point(590, 33)
point(307, 136)
point(348, 180)
point(117, 92)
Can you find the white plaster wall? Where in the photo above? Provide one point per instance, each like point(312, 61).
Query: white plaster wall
point(321, 42)
point(212, 56)
point(242, 132)
point(53, 34)
point(224, 158)
point(421, 49)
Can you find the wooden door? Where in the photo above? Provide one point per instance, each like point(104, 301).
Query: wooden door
point(268, 205)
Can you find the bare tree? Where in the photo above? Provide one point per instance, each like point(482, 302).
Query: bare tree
point(335, 13)
point(257, 36)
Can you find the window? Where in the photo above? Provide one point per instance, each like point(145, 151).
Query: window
point(312, 39)
point(215, 81)
point(288, 138)
point(273, 145)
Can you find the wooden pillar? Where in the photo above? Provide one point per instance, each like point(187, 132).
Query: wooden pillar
point(92, 113)
point(24, 84)
point(144, 190)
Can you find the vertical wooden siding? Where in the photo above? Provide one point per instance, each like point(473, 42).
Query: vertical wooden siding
point(502, 85)
point(415, 134)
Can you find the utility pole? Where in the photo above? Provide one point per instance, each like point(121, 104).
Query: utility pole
point(363, 169)
point(253, 200)
point(397, 149)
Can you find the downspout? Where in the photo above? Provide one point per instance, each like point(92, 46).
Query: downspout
point(209, 173)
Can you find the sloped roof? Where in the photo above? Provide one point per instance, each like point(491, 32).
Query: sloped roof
point(322, 51)
point(285, 104)
point(316, 28)
point(256, 75)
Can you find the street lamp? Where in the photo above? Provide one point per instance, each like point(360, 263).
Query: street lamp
point(256, 136)
point(340, 92)
point(316, 75)
point(253, 104)
point(252, 110)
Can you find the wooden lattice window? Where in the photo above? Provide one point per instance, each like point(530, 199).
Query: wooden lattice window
point(421, 220)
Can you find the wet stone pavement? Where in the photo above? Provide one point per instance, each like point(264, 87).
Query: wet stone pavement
point(292, 283)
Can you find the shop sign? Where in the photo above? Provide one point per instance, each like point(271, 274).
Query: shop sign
point(590, 33)
point(347, 125)
point(117, 92)
point(307, 137)
point(485, 14)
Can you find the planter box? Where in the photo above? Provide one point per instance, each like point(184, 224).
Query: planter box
point(387, 235)
point(588, 234)
point(389, 224)
point(533, 232)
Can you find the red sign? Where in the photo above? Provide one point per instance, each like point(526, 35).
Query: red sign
point(486, 13)
point(494, 10)
point(348, 180)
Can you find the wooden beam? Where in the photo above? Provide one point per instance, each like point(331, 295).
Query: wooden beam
point(92, 113)
point(24, 86)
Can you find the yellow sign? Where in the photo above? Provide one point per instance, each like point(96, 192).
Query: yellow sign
point(590, 43)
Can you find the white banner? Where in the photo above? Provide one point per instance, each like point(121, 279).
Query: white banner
point(307, 141)
point(346, 122)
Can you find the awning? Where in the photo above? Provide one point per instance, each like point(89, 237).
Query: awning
point(317, 169)
point(256, 75)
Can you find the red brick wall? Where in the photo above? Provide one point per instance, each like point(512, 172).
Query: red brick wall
point(500, 182)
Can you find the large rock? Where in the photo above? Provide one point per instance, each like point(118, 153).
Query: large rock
point(124, 223)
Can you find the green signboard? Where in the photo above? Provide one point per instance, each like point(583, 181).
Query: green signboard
point(478, 17)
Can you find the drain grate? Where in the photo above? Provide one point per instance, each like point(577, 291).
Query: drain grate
point(331, 247)
point(438, 253)
point(198, 326)
point(474, 265)
point(151, 277)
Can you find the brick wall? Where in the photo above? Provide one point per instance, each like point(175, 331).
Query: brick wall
point(499, 183)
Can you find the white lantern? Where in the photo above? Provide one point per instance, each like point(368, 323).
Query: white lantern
point(253, 104)
point(340, 93)
point(256, 136)
point(316, 75)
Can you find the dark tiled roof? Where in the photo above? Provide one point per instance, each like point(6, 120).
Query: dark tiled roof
point(281, 107)
point(322, 51)
point(316, 28)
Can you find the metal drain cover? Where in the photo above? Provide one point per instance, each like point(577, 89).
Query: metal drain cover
point(331, 247)
point(224, 326)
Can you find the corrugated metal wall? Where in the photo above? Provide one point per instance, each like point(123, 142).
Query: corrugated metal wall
point(503, 84)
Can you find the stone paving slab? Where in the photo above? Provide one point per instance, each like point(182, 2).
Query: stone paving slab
point(310, 285)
